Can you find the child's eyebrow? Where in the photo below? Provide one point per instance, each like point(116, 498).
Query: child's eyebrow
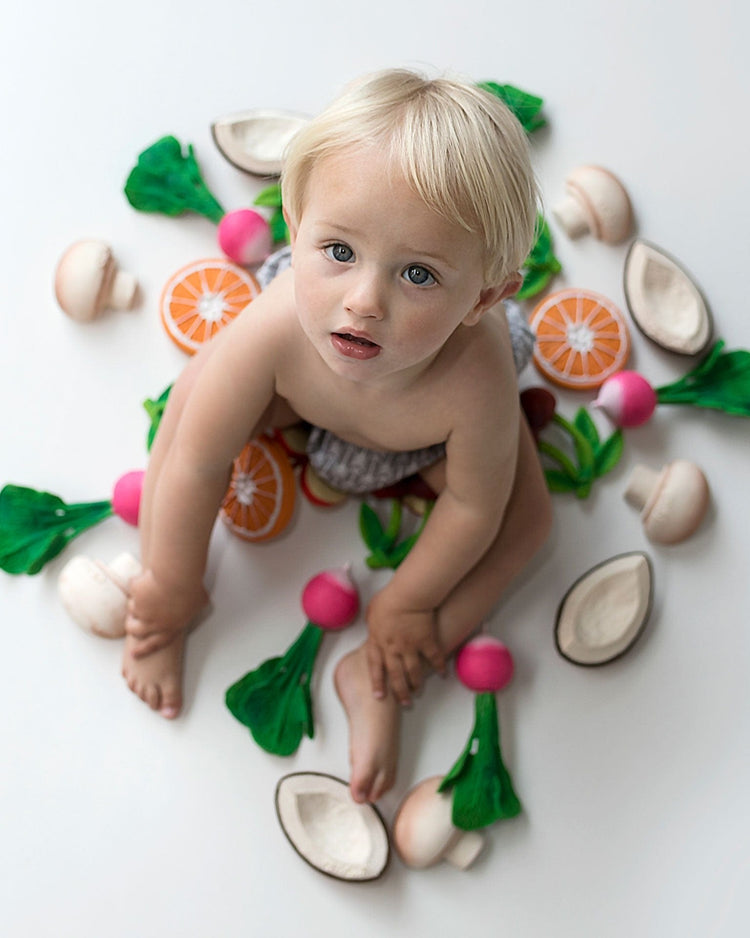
point(428, 254)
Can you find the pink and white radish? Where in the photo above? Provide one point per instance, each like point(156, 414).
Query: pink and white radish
point(627, 398)
point(330, 599)
point(245, 237)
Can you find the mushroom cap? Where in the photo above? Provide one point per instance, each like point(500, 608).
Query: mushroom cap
point(95, 595)
point(595, 201)
point(423, 831)
point(87, 281)
point(673, 501)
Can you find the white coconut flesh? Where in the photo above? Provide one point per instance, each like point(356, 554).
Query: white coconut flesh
point(255, 141)
point(329, 830)
point(664, 301)
point(605, 611)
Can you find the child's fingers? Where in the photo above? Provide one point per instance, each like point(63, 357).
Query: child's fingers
point(398, 679)
point(412, 666)
point(376, 668)
point(433, 653)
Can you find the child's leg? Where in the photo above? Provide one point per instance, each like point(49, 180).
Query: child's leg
point(157, 677)
point(374, 724)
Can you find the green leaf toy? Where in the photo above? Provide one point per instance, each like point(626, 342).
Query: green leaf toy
point(169, 181)
point(541, 265)
point(274, 700)
point(720, 382)
point(386, 548)
point(37, 526)
point(524, 105)
point(481, 784)
point(270, 197)
point(591, 457)
point(155, 410)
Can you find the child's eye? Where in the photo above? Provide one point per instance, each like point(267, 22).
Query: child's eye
point(340, 252)
point(418, 275)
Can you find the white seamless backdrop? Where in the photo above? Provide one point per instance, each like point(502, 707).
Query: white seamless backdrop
point(634, 777)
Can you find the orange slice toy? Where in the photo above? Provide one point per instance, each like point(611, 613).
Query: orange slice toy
point(202, 298)
point(581, 339)
point(260, 500)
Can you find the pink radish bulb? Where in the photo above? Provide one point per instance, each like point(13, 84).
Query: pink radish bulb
point(627, 399)
point(484, 664)
point(330, 599)
point(245, 237)
point(126, 497)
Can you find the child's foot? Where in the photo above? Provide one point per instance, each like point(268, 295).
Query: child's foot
point(157, 678)
point(373, 729)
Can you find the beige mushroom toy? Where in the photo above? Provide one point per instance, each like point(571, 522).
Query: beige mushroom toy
point(672, 501)
point(595, 202)
point(424, 834)
point(95, 594)
point(88, 282)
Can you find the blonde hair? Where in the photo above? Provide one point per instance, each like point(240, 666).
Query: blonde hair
point(459, 147)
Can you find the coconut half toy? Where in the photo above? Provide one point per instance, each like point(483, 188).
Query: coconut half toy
point(329, 830)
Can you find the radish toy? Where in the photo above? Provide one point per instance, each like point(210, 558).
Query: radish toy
point(274, 700)
point(36, 526)
point(482, 788)
point(167, 181)
point(720, 382)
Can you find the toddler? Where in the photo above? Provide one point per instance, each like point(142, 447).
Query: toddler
point(411, 206)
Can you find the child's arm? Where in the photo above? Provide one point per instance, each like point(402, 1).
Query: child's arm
point(227, 400)
point(480, 469)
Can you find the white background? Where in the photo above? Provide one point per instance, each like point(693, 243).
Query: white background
point(634, 777)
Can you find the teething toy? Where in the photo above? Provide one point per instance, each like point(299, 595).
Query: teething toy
point(596, 202)
point(88, 282)
point(36, 526)
point(672, 501)
point(481, 786)
point(274, 700)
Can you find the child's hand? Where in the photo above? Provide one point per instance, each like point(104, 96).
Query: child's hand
point(398, 641)
point(157, 612)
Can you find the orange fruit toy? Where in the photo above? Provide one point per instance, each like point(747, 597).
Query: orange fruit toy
point(202, 298)
point(581, 339)
point(260, 500)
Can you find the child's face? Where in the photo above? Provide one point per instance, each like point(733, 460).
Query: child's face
point(381, 280)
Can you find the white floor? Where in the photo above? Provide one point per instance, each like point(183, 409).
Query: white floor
point(634, 777)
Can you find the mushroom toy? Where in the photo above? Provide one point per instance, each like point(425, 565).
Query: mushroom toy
point(88, 281)
point(36, 526)
point(595, 202)
point(95, 594)
point(672, 501)
point(424, 833)
point(274, 700)
point(720, 382)
point(479, 781)
point(170, 182)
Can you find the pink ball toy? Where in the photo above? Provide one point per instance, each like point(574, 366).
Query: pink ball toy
point(126, 498)
point(627, 399)
point(484, 664)
point(245, 237)
point(330, 599)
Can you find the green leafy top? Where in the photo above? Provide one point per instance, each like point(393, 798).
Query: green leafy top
point(591, 459)
point(166, 180)
point(524, 105)
point(386, 550)
point(541, 265)
point(36, 526)
point(720, 382)
point(271, 198)
point(482, 788)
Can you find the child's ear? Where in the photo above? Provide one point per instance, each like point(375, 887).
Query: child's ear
point(491, 296)
point(291, 226)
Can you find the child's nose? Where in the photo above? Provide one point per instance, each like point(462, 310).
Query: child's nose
point(366, 297)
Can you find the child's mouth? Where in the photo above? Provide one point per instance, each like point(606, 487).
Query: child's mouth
point(354, 346)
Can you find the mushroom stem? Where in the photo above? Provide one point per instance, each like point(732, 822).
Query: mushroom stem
point(642, 482)
point(122, 291)
point(464, 850)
